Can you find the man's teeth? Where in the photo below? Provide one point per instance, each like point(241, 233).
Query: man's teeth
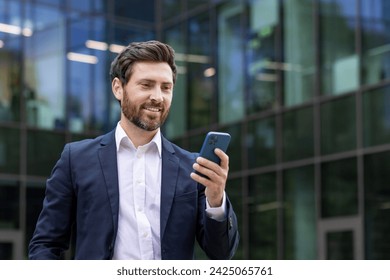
point(153, 109)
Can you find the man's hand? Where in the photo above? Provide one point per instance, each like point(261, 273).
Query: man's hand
point(216, 176)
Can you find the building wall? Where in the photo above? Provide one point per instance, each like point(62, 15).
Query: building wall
point(301, 85)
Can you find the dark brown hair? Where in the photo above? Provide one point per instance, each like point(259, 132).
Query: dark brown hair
point(149, 51)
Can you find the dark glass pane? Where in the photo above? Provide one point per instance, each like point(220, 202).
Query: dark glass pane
point(235, 147)
point(143, 10)
point(339, 194)
point(376, 117)
point(9, 150)
point(339, 61)
point(177, 121)
point(41, 157)
point(171, 8)
point(377, 206)
point(261, 55)
point(234, 191)
point(375, 40)
point(6, 251)
point(230, 63)
point(338, 126)
point(35, 195)
point(263, 208)
point(300, 210)
point(260, 142)
point(298, 139)
point(200, 87)
point(339, 245)
point(299, 52)
point(9, 205)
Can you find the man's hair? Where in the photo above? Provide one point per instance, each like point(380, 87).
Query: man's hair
point(149, 51)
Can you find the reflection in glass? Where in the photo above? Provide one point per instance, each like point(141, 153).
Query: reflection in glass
point(375, 40)
point(377, 206)
point(300, 233)
point(231, 64)
point(9, 150)
point(10, 86)
point(338, 125)
point(235, 147)
point(339, 61)
point(339, 193)
point(176, 123)
point(44, 88)
point(261, 56)
point(41, 157)
point(298, 139)
point(260, 142)
point(299, 52)
point(376, 117)
point(339, 245)
point(9, 205)
point(200, 86)
point(263, 208)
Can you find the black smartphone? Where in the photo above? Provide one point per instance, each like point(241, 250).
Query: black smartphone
point(212, 141)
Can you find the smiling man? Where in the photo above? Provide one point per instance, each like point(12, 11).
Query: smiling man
point(131, 193)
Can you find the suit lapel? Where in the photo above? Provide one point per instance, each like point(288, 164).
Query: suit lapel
point(170, 167)
point(108, 163)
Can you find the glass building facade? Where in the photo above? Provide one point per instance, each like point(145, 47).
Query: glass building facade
point(303, 87)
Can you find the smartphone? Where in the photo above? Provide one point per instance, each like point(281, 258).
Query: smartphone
point(212, 141)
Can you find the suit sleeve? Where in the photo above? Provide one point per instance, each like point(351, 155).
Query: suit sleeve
point(53, 229)
point(220, 237)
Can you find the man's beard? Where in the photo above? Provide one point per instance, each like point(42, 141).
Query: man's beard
point(138, 117)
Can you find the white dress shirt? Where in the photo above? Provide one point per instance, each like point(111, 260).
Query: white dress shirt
point(139, 177)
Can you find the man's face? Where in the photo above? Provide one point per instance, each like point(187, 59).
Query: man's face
point(147, 96)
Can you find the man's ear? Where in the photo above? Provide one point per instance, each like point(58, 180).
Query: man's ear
point(117, 88)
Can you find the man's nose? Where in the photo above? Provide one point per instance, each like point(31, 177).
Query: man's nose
point(156, 94)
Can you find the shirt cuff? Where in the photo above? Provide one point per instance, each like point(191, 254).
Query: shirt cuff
point(217, 213)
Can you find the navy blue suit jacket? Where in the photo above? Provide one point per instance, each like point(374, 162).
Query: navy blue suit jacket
point(82, 197)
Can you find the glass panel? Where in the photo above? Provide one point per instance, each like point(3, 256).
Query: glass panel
point(171, 8)
point(41, 157)
point(375, 40)
point(234, 191)
point(261, 56)
point(9, 205)
point(9, 150)
point(231, 64)
point(339, 245)
point(299, 52)
point(376, 117)
point(143, 10)
point(201, 87)
point(338, 125)
point(263, 208)
point(176, 123)
point(298, 141)
point(10, 69)
point(6, 251)
point(45, 70)
point(339, 61)
point(235, 147)
point(35, 195)
point(377, 206)
point(300, 214)
point(260, 142)
point(339, 194)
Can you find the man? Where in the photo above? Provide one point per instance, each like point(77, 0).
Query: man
point(132, 194)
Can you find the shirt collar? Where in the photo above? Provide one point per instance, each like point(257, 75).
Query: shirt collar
point(120, 134)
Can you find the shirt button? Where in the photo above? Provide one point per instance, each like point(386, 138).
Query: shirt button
point(145, 234)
